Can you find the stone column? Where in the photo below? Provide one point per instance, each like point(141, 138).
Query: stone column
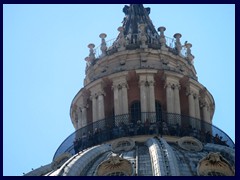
point(84, 116)
point(116, 100)
point(124, 98)
point(143, 99)
point(151, 97)
point(101, 114)
point(117, 110)
point(94, 108)
point(197, 107)
point(120, 94)
point(206, 117)
point(97, 103)
point(206, 113)
point(197, 113)
point(101, 111)
point(152, 108)
point(170, 101)
point(77, 121)
point(74, 118)
point(194, 109)
point(120, 99)
point(177, 99)
point(177, 107)
point(84, 119)
point(173, 100)
point(143, 96)
point(147, 94)
point(79, 118)
point(150, 93)
point(169, 98)
point(191, 104)
point(151, 102)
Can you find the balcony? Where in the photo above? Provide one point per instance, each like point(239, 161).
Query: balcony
point(165, 124)
point(132, 42)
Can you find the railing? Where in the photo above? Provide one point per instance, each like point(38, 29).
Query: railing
point(97, 50)
point(145, 124)
point(132, 41)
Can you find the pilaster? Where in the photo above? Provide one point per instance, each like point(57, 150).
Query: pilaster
point(124, 98)
point(79, 118)
point(97, 97)
point(120, 94)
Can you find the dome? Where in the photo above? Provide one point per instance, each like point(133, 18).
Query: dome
point(142, 111)
point(149, 156)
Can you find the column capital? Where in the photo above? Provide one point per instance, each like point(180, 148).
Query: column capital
point(172, 80)
point(204, 103)
point(93, 96)
point(176, 86)
point(120, 85)
point(151, 83)
point(101, 92)
point(142, 83)
point(96, 91)
point(192, 91)
point(79, 108)
point(173, 85)
point(74, 107)
point(84, 106)
point(189, 92)
point(196, 95)
point(115, 86)
point(124, 85)
point(119, 81)
point(168, 84)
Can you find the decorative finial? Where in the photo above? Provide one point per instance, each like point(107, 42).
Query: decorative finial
point(178, 44)
point(103, 44)
point(188, 53)
point(121, 41)
point(87, 59)
point(91, 54)
point(162, 38)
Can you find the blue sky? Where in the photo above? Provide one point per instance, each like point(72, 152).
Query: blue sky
point(44, 47)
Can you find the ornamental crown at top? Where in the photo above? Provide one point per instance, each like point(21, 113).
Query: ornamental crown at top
point(136, 32)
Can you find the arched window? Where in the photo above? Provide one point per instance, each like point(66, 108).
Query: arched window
point(116, 174)
point(135, 110)
point(158, 111)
